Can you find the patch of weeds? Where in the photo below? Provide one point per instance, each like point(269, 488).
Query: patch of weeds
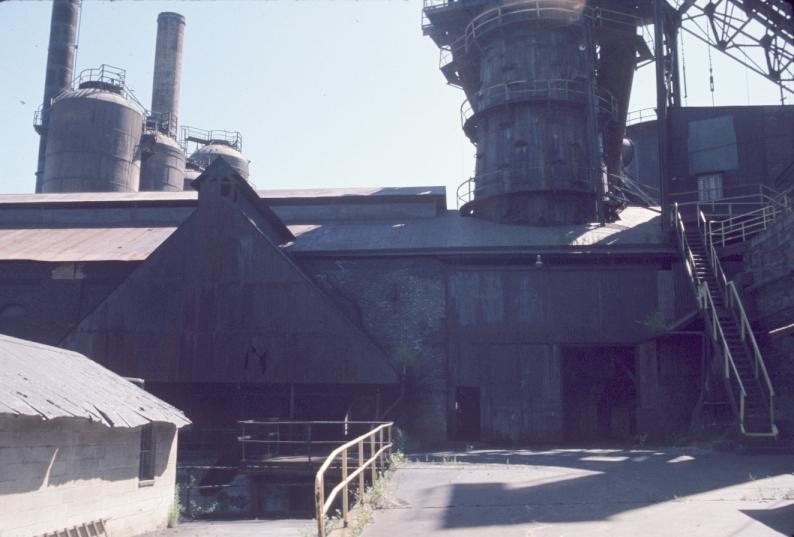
point(332, 521)
point(375, 497)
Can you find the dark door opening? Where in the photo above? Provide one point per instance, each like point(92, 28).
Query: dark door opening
point(599, 393)
point(467, 413)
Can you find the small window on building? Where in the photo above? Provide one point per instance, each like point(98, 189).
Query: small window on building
point(226, 188)
point(710, 187)
point(146, 467)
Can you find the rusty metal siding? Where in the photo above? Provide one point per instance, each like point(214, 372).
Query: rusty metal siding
point(81, 244)
point(220, 302)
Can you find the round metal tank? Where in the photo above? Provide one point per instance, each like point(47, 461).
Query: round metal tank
point(191, 174)
point(93, 141)
point(534, 162)
point(205, 155)
point(162, 163)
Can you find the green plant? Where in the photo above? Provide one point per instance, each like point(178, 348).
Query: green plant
point(332, 521)
point(375, 497)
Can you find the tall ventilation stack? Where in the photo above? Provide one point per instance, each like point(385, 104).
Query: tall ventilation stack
point(60, 69)
point(93, 139)
point(162, 159)
point(536, 108)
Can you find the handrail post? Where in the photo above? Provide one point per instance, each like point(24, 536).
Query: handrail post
point(382, 452)
point(344, 489)
point(741, 409)
point(361, 465)
point(372, 455)
point(319, 501)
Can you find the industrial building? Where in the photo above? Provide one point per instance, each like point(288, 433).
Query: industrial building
point(598, 282)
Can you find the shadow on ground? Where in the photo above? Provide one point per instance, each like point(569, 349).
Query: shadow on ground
point(582, 485)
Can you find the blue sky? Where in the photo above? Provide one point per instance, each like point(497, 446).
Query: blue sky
point(326, 93)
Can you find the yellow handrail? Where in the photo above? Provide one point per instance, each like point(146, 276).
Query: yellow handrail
point(323, 504)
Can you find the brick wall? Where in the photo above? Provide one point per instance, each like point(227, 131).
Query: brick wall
point(60, 473)
point(402, 306)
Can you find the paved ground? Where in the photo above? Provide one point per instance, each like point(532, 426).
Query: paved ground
point(578, 492)
point(241, 528)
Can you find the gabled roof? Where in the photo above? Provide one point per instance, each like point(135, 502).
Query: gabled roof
point(220, 301)
point(220, 169)
point(49, 382)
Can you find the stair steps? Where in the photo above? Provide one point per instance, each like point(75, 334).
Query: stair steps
point(757, 419)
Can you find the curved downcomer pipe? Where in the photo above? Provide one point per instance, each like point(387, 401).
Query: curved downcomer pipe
point(167, 79)
point(60, 66)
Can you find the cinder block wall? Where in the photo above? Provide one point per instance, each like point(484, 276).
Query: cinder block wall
point(770, 259)
point(61, 473)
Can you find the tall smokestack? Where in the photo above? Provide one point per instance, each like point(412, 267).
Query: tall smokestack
point(60, 67)
point(168, 69)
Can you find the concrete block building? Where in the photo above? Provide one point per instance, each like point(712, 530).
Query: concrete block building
point(80, 447)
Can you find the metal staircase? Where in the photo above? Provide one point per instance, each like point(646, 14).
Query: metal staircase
point(732, 338)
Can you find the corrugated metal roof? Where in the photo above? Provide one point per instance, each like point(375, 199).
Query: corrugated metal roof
point(39, 380)
point(637, 227)
point(301, 193)
point(81, 244)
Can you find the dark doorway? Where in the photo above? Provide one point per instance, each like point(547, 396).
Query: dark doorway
point(467, 413)
point(599, 393)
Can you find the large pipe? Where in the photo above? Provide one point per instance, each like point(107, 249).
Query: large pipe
point(60, 67)
point(168, 69)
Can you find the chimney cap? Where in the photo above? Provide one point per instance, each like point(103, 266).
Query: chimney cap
point(171, 15)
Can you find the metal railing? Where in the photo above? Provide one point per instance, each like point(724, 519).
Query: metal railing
point(641, 115)
point(526, 90)
point(736, 200)
point(379, 442)
point(519, 180)
point(164, 122)
point(263, 441)
point(38, 119)
point(706, 304)
point(107, 76)
point(746, 225)
point(734, 305)
point(540, 12)
point(201, 137)
point(718, 337)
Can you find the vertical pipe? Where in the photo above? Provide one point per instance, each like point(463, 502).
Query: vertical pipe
point(60, 67)
point(167, 80)
point(661, 102)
